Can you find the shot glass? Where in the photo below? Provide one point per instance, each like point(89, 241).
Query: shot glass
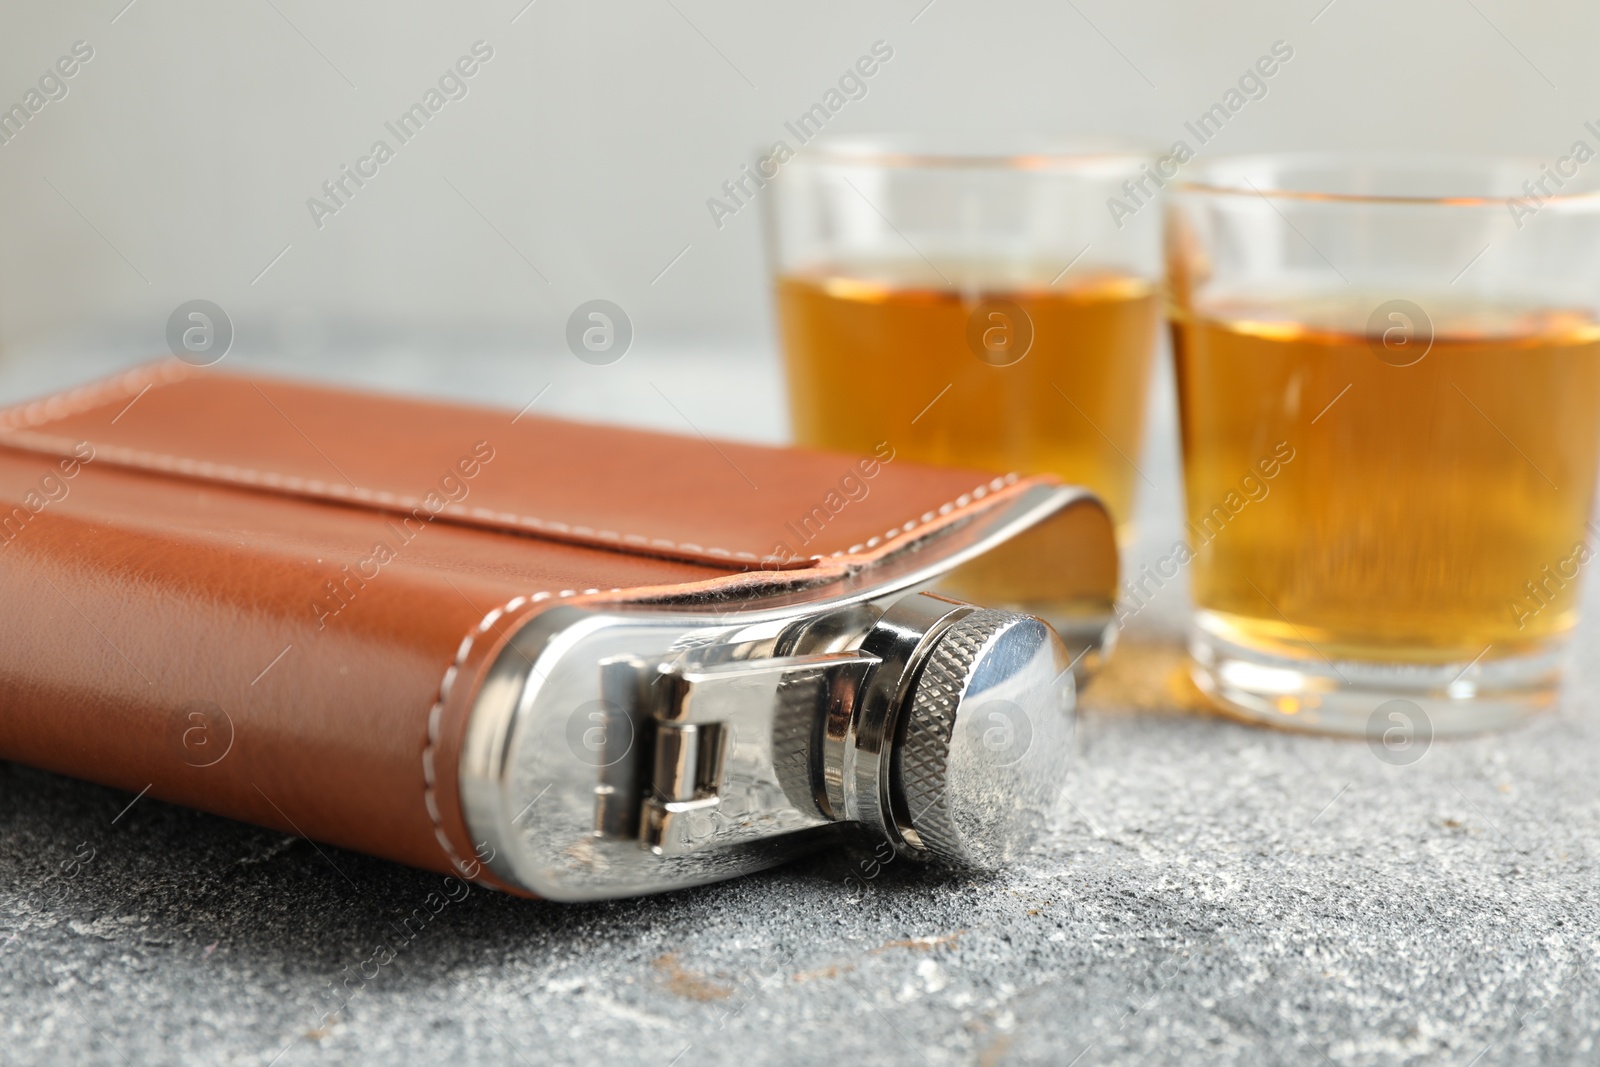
point(982, 308)
point(1388, 376)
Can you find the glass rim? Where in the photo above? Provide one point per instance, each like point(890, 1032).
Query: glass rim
point(1021, 151)
point(1206, 182)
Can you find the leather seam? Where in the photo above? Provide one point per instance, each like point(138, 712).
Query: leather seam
point(88, 397)
point(430, 799)
point(227, 473)
point(994, 485)
point(15, 421)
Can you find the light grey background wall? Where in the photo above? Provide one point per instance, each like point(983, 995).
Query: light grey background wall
point(578, 165)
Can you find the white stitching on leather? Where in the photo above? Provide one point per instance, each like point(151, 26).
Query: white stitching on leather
point(219, 472)
point(430, 799)
point(88, 397)
point(98, 394)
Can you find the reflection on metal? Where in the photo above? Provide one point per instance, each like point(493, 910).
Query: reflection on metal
point(673, 745)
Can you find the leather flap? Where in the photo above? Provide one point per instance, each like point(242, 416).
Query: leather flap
point(688, 498)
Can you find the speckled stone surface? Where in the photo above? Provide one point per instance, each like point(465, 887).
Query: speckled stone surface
point(1209, 893)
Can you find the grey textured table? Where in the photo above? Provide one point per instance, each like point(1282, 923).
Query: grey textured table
point(1209, 893)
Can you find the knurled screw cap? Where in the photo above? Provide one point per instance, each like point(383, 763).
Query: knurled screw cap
point(985, 740)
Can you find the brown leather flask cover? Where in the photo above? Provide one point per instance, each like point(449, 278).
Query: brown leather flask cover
point(277, 601)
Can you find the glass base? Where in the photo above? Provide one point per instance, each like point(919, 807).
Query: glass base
point(1372, 700)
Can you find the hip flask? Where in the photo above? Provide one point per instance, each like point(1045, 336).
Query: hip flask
point(563, 660)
